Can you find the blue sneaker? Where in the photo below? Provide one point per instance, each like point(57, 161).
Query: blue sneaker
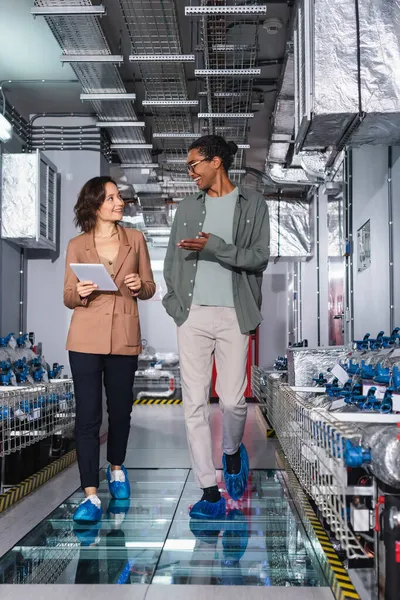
point(236, 484)
point(203, 509)
point(121, 490)
point(236, 536)
point(87, 512)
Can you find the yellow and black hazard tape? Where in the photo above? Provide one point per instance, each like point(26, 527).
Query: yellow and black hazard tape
point(157, 401)
point(271, 433)
point(16, 493)
point(335, 573)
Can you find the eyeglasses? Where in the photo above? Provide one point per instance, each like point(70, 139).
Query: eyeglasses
point(190, 167)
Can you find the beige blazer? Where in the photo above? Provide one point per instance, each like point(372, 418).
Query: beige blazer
point(108, 323)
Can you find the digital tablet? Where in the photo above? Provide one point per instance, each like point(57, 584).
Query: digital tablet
point(96, 273)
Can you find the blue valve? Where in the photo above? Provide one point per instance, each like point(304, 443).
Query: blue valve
point(372, 402)
point(281, 363)
point(364, 343)
point(395, 335)
point(378, 342)
point(55, 371)
point(386, 406)
point(5, 412)
point(21, 341)
point(395, 383)
point(382, 375)
point(4, 341)
point(352, 368)
point(320, 380)
point(6, 373)
point(367, 371)
point(356, 456)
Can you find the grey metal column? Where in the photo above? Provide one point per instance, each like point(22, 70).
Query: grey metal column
point(318, 273)
point(348, 223)
point(391, 252)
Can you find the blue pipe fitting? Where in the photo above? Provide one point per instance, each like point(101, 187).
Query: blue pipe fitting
point(356, 456)
point(364, 343)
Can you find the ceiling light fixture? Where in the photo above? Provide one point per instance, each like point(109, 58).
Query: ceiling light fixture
point(107, 96)
point(139, 166)
point(129, 146)
point(120, 124)
point(227, 72)
point(162, 58)
point(167, 135)
point(175, 161)
point(230, 94)
point(243, 146)
point(6, 129)
point(232, 48)
point(170, 102)
point(237, 171)
point(57, 11)
point(201, 11)
point(225, 115)
point(92, 58)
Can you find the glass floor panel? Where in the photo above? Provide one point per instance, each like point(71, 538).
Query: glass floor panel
point(150, 538)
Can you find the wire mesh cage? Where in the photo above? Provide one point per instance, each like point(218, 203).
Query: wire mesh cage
point(313, 442)
point(31, 414)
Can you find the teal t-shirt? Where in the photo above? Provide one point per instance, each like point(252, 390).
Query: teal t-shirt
point(213, 284)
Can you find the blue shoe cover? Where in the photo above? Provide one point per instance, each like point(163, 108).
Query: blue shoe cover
point(236, 484)
point(203, 509)
point(118, 489)
point(87, 512)
point(236, 535)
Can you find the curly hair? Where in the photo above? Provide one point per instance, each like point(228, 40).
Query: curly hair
point(90, 198)
point(215, 145)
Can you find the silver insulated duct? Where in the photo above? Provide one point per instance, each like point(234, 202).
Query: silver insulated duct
point(347, 73)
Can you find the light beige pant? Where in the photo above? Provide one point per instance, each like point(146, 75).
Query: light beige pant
point(210, 329)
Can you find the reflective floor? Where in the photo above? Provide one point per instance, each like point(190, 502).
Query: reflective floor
point(150, 539)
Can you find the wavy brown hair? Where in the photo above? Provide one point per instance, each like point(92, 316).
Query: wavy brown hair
point(90, 198)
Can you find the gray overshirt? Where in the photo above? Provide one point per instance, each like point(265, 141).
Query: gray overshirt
point(247, 256)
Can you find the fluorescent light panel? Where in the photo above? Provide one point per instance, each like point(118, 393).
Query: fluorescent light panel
point(225, 115)
point(92, 58)
point(226, 72)
point(175, 161)
point(120, 124)
point(56, 11)
point(178, 184)
point(128, 146)
point(237, 171)
point(6, 129)
point(243, 146)
point(232, 47)
point(170, 102)
point(161, 58)
point(201, 11)
point(108, 96)
point(230, 94)
point(139, 166)
point(167, 135)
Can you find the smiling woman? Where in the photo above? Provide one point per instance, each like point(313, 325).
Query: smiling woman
point(104, 338)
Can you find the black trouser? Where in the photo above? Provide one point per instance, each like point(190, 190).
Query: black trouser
point(87, 374)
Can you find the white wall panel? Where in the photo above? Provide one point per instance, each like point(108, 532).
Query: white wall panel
point(370, 201)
